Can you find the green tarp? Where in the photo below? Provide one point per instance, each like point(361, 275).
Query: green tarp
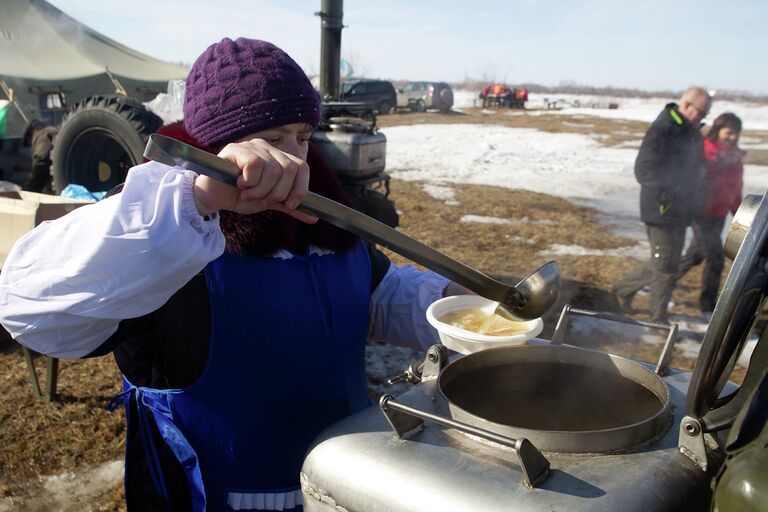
point(43, 51)
point(3, 115)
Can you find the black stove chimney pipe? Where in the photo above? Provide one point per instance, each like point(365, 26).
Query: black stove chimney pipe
point(331, 16)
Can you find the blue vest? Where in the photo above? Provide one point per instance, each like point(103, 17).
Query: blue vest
point(286, 359)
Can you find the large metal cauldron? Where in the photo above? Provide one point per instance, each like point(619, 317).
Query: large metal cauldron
point(459, 460)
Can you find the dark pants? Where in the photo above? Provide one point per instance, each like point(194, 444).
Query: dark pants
point(660, 272)
point(707, 247)
point(40, 175)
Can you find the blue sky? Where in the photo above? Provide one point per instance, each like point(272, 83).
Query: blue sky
point(645, 44)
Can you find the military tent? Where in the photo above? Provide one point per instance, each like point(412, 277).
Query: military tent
point(49, 61)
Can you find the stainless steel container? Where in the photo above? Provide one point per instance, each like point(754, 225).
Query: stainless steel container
point(361, 465)
point(352, 149)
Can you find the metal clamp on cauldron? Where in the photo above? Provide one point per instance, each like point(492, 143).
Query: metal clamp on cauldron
point(408, 421)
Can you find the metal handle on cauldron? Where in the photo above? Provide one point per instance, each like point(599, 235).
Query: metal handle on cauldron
point(407, 421)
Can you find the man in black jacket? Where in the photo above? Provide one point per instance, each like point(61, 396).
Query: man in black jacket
point(669, 168)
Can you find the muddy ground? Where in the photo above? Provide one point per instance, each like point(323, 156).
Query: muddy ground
point(49, 449)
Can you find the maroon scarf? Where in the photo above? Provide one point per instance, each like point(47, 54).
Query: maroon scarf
point(264, 233)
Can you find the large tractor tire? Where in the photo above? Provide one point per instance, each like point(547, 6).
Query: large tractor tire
point(99, 140)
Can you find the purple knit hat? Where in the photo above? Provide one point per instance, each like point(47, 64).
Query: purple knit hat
point(236, 88)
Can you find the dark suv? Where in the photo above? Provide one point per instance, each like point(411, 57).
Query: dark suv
point(378, 94)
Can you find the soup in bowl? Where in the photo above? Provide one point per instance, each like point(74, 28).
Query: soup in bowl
point(468, 323)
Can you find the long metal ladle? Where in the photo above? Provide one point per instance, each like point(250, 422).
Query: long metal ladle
point(529, 299)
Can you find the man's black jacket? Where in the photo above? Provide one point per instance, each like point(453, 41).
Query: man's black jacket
point(669, 168)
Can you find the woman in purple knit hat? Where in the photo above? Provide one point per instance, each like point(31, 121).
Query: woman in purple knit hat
point(238, 322)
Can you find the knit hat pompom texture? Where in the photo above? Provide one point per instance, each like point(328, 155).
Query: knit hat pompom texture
point(240, 87)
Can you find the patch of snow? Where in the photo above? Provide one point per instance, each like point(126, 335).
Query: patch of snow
point(578, 125)
point(69, 491)
point(690, 348)
point(747, 142)
point(441, 192)
point(484, 220)
point(519, 239)
point(635, 145)
point(635, 251)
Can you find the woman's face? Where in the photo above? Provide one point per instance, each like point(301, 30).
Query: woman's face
point(290, 138)
point(727, 136)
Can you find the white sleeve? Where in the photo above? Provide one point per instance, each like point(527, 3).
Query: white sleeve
point(399, 304)
point(66, 284)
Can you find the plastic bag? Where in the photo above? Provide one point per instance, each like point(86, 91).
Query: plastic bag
point(170, 106)
point(73, 191)
point(7, 186)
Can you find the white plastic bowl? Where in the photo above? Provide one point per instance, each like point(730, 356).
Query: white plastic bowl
point(466, 342)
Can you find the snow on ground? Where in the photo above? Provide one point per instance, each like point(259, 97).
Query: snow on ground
point(753, 115)
point(562, 164)
point(69, 491)
point(570, 165)
point(484, 219)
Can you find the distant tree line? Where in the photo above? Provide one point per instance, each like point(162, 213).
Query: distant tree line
point(620, 92)
point(569, 87)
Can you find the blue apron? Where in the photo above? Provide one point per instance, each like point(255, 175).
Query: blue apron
point(286, 359)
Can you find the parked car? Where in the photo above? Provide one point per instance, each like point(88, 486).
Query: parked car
point(419, 96)
point(378, 94)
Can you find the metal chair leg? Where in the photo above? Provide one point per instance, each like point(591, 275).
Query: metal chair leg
point(51, 375)
point(32, 373)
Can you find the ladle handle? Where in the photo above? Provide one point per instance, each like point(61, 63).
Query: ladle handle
point(173, 152)
point(378, 232)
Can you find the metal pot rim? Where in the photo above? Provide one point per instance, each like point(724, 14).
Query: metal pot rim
point(611, 439)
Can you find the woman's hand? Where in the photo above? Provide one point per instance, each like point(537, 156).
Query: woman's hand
point(269, 179)
point(734, 156)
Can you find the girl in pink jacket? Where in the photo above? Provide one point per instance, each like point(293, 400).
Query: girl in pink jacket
point(724, 176)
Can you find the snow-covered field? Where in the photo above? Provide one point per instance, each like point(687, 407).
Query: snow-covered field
point(754, 116)
point(569, 165)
